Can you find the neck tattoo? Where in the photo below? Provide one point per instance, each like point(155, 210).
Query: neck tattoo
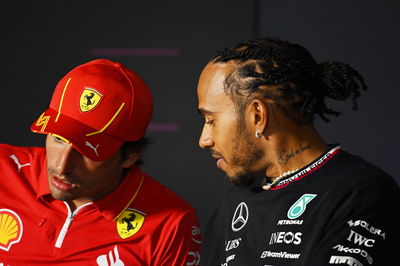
point(286, 155)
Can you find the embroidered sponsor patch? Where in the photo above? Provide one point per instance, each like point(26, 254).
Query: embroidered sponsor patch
point(299, 206)
point(129, 223)
point(19, 165)
point(90, 98)
point(240, 217)
point(110, 259)
point(42, 121)
point(11, 229)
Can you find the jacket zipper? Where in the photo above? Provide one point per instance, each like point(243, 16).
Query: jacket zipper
point(67, 223)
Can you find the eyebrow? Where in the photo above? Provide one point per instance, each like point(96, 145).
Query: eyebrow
point(204, 112)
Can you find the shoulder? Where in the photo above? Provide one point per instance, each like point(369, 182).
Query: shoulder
point(352, 173)
point(163, 199)
point(18, 155)
point(362, 203)
point(21, 165)
point(349, 185)
point(6, 149)
point(168, 211)
point(354, 188)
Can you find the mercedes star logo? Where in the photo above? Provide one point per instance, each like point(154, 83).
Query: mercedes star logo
point(240, 217)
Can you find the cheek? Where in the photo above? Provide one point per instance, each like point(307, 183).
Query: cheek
point(51, 157)
point(225, 136)
point(100, 171)
point(227, 128)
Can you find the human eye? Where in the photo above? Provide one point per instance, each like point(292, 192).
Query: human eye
point(210, 122)
point(60, 139)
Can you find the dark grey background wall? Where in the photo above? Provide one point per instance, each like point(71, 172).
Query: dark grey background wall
point(168, 43)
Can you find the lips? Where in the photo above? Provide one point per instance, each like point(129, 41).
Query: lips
point(219, 162)
point(218, 156)
point(62, 185)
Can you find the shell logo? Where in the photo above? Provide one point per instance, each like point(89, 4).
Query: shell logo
point(10, 229)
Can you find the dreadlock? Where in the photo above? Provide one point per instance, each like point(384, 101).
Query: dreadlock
point(288, 74)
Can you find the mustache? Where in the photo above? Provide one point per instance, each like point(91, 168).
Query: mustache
point(66, 176)
point(214, 154)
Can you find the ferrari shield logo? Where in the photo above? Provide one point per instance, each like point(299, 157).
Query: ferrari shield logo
point(129, 223)
point(90, 98)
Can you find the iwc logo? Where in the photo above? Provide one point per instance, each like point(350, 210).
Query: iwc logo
point(10, 229)
point(240, 217)
point(129, 223)
point(299, 206)
point(90, 98)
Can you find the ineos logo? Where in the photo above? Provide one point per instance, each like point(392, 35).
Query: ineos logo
point(240, 217)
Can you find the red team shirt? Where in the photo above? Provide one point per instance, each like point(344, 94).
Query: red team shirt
point(140, 223)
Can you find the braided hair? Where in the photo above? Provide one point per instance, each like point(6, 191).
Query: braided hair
point(288, 74)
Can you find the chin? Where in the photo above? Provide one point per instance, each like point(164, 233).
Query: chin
point(242, 180)
point(63, 196)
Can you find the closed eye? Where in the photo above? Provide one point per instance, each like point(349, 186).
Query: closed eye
point(211, 122)
point(60, 139)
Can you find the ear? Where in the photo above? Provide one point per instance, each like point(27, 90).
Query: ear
point(257, 116)
point(130, 160)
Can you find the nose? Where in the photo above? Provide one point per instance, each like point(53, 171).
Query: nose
point(64, 160)
point(206, 140)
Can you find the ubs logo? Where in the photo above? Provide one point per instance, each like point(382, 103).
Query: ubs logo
point(240, 217)
point(232, 244)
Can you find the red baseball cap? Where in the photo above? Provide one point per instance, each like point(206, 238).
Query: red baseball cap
point(97, 107)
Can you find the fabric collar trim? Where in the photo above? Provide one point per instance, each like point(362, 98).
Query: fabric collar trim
point(305, 171)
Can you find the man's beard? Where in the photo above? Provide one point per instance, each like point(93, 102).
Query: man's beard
point(245, 155)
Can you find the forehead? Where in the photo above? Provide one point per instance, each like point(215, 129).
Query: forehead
point(211, 85)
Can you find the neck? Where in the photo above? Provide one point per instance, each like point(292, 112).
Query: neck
point(293, 149)
point(73, 205)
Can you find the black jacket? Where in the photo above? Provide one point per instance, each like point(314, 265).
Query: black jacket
point(339, 210)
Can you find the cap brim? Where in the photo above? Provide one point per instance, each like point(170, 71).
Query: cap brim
point(90, 142)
